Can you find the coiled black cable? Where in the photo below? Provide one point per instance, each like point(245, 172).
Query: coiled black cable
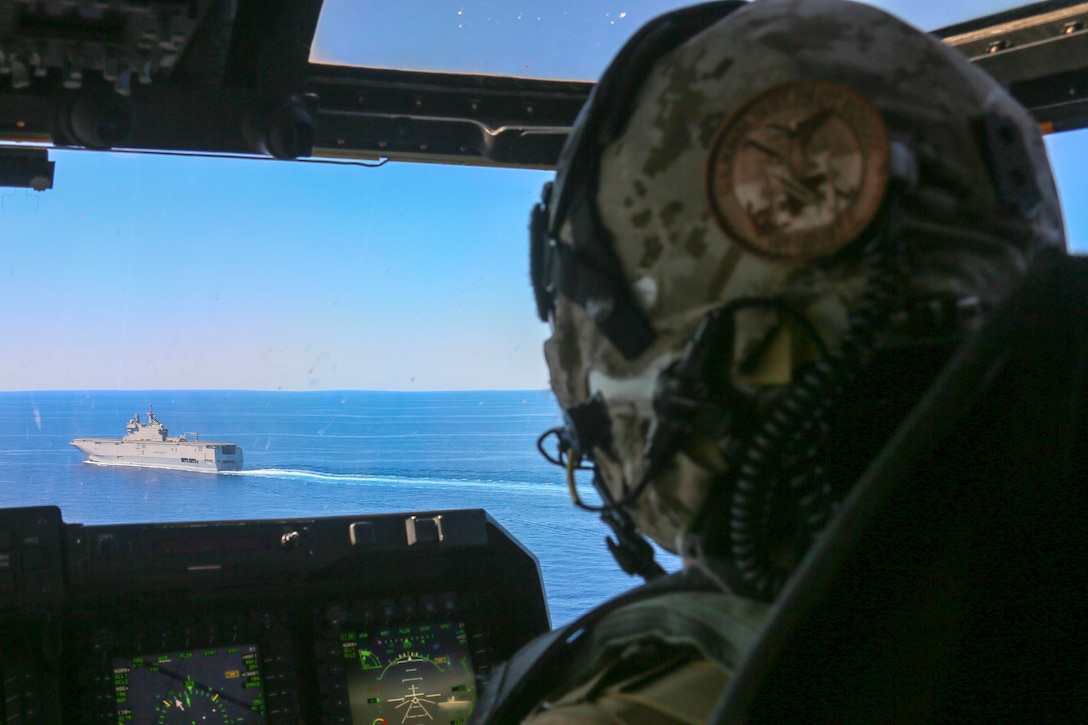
point(780, 497)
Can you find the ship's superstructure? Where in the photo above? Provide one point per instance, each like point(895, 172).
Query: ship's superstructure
point(149, 445)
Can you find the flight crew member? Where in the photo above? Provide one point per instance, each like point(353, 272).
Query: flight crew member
point(771, 228)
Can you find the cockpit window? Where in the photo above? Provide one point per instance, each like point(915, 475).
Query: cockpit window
point(553, 40)
point(568, 40)
point(1069, 160)
point(366, 337)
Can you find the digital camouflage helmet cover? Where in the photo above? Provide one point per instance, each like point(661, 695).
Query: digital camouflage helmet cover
point(759, 203)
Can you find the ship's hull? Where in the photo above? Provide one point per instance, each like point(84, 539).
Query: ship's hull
point(178, 455)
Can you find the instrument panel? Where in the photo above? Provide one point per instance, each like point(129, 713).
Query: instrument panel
point(350, 620)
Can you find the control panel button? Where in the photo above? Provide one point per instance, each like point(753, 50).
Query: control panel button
point(424, 530)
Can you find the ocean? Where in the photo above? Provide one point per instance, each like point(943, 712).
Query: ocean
point(322, 454)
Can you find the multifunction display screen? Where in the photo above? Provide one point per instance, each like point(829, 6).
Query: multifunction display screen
point(211, 685)
point(414, 673)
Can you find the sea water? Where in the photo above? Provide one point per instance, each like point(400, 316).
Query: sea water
point(321, 454)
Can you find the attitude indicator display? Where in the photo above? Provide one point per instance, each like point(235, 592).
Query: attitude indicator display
point(412, 673)
point(217, 685)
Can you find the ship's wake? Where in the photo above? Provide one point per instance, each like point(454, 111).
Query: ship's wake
point(302, 473)
point(360, 478)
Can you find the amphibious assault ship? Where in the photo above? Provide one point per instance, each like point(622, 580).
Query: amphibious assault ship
point(149, 445)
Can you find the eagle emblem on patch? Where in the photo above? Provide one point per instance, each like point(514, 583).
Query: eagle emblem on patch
point(799, 171)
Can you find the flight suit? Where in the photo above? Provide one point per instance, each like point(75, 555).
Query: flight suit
point(661, 654)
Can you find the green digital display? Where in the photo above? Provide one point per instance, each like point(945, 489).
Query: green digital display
point(414, 673)
point(212, 685)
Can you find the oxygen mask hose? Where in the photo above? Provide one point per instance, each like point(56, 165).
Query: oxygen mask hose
point(780, 498)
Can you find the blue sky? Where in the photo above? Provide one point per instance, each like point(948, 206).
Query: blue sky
point(164, 272)
point(157, 272)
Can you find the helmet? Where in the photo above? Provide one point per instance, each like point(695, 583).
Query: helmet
point(760, 209)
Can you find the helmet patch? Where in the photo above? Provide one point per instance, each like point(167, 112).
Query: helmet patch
point(800, 171)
